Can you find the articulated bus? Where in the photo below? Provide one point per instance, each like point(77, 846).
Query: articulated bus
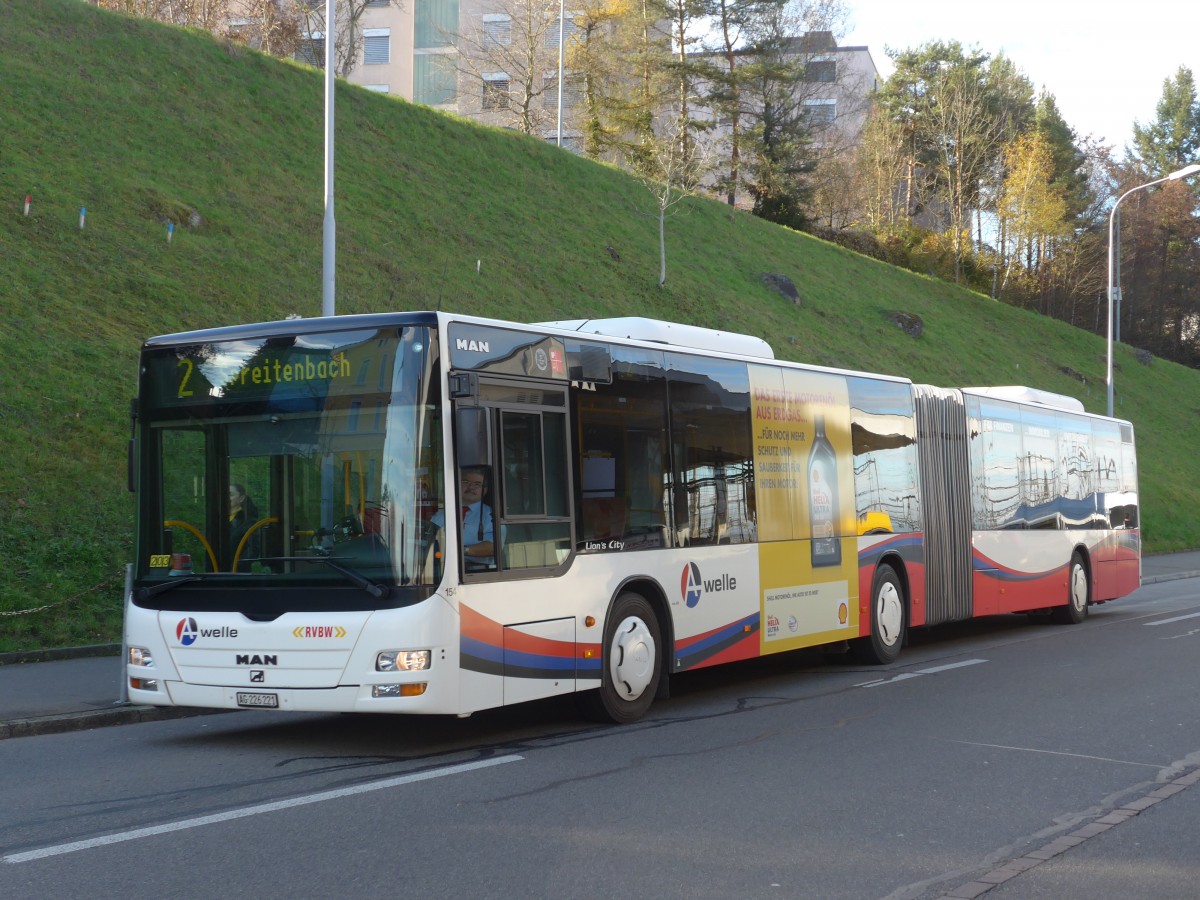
point(659, 498)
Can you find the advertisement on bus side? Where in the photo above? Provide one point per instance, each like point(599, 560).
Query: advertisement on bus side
point(804, 485)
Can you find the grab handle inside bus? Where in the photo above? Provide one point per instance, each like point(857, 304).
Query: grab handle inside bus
point(473, 436)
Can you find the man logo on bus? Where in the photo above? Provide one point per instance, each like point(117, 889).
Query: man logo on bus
point(691, 586)
point(187, 631)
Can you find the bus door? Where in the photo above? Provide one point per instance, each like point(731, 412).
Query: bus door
point(512, 447)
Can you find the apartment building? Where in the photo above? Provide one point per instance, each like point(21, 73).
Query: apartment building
point(837, 86)
point(497, 61)
point(468, 56)
point(833, 93)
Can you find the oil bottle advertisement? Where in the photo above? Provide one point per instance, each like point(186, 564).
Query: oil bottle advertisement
point(804, 491)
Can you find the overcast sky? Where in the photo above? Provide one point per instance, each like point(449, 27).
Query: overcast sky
point(1105, 63)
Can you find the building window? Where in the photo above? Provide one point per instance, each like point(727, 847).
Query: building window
point(495, 90)
point(820, 112)
point(435, 23)
point(377, 88)
point(434, 78)
point(569, 30)
point(569, 142)
point(497, 29)
point(377, 46)
point(312, 50)
point(572, 90)
point(821, 70)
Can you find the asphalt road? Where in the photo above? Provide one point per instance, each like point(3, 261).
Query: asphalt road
point(971, 766)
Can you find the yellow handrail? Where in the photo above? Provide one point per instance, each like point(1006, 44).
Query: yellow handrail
point(176, 523)
point(269, 520)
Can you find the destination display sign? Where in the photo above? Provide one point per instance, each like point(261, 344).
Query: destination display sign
point(294, 371)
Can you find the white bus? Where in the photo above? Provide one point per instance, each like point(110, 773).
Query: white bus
point(640, 499)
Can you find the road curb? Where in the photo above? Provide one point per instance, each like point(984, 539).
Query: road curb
point(1173, 576)
point(55, 653)
point(1016, 866)
point(35, 726)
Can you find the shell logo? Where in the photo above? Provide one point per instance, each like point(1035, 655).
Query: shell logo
point(843, 613)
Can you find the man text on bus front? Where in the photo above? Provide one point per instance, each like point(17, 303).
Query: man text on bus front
point(476, 517)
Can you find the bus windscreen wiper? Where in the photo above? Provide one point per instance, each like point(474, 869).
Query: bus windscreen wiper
point(374, 588)
point(162, 587)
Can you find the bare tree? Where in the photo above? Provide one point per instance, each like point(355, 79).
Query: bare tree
point(510, 58)
point(210, 15)
point(671, 166)
point(283, 28)
point(956, 108)
point(272, 26)
point(347, 31)
point(877, 172)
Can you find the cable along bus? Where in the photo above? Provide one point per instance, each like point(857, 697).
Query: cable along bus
point(656, 498)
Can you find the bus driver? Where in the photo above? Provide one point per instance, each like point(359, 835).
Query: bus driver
point(478, 534)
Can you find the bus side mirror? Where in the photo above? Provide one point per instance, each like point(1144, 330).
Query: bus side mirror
point(472, 437)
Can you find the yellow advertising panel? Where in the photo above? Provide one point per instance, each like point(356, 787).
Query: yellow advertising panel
point(804, 491)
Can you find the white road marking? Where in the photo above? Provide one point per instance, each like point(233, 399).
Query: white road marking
point(904, 676)
point(957, 665)
point(1184, 635)
point(1195, 615)
point(122, 836)
point(1124, 762)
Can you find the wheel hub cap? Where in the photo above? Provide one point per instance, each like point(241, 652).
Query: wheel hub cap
point(889, 614)
point(632, 658)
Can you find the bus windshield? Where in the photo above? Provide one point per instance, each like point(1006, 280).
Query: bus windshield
point(298, 461)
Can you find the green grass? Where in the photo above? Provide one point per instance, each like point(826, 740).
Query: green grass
point(141, 124)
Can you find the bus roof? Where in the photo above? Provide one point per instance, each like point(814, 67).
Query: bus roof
point(1031, 396)
point(666, 335)
point(657, 331)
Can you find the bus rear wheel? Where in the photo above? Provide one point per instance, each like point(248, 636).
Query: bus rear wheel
point(882, 645)
point(631, 663)
point(1079, 591)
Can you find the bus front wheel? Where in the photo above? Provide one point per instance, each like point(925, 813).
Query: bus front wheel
point(882, 645)
point(1079, 591)
point(631, 663)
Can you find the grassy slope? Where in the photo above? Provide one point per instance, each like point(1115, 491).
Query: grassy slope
point(142, 124)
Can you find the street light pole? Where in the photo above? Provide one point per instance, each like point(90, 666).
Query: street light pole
point(329, 229)
point(561, 28)
point(1113, 287)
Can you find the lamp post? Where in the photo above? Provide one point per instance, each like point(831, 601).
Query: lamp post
point(1112, 286)
point(329, 226)
point(562, 13)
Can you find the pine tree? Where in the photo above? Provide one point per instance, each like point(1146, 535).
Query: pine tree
point(1172, 140)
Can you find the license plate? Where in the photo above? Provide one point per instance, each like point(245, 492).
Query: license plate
point(258, 701)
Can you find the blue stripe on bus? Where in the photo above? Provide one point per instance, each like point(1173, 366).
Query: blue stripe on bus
point(718, 641)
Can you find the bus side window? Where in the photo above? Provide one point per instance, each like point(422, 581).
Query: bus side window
point(622, 465)
point(713, 479)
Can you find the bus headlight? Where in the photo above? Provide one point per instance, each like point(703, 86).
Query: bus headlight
point(403, 661)
point(140, 656)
